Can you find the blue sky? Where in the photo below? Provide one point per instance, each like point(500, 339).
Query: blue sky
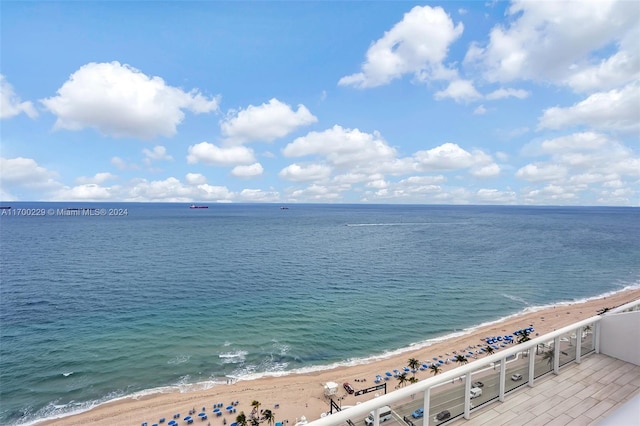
point(530, 103)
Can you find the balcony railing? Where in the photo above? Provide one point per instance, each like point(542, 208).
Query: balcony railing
point(497, 376)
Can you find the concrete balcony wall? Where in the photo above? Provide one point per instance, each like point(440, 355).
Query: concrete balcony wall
point(620, 336)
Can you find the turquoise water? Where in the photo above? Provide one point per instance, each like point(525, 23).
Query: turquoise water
point(98, 307)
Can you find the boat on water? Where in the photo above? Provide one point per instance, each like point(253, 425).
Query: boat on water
point(193, 206)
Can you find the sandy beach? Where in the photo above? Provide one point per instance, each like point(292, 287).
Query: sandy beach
point(295, 395)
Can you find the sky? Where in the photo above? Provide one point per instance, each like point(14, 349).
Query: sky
point(471, 102)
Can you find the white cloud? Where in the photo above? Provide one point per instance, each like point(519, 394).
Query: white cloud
point(541, 172)
point(480, 110)
point(25, 172)
point(416, 45)
point(305, 173)
point(158, 153)
point(615, 71)
point(489, 170)
point(316, 193)
point(448, 156)
point(459, 91)
point(258, 195)
point(98, 178)
point(172, 190)
point(614, 110)
point(342, 147)
point(119, 100)
point(551, 194)
point(249, 171)
point(507, 93)
point(495, 196)
point(556, 41)
point(195, 179)
point(588, 161)
point(119, 163)
point(84, 192)
point(211, 192)
point(265, 122)
point(209, 153)
point(10, 104)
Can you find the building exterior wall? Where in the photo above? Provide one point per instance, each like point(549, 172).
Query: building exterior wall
point(620, 336)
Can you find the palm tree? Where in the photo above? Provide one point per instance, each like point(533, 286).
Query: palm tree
point(402, 379)
point(241, 419)
point(435, 369)
point(489, 350)
point(548, 356)
point(603, 311)
point(255, 421)
point(256, 405)
point(269, 417)
point(413, 364)
point(461, 359)
point(413, 380)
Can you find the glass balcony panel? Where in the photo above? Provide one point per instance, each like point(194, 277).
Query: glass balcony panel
point(411, 410)
point(587, 343)
point(517, 371)
point(544, 359)
point(446, 398)
point(487, 379)
point(568, 347)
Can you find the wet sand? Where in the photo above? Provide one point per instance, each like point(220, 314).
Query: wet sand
point(298, 395)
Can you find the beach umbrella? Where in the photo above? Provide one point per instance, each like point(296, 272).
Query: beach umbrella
point(441, 361)
point(407, 369)
point(388, 373)
point(172, 423)
point(216, 410)
point(435, 358)
point(230, 407)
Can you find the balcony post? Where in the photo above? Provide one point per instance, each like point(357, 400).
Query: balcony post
point(556, 355)
point(579, 344)
point(532, 363)
point(467, 395)
point(503, 378)
point(426, 398)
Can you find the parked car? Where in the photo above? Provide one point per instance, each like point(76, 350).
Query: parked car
point(516, 377)
point(348, 387)
point(477, 384)
point(443, 415)
point(418, 413)
point(475, 392)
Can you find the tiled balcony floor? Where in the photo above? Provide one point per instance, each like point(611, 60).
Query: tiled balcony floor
point(582, 394)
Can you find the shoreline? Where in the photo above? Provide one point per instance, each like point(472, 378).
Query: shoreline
point(300, 393)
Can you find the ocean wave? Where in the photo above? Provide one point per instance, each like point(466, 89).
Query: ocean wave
point(516, 299)
point(179, 359)
point(233, 357)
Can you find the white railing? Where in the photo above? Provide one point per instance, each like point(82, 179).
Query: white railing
point(588, 326)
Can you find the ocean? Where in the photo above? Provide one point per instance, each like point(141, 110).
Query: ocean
point(139, 297)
